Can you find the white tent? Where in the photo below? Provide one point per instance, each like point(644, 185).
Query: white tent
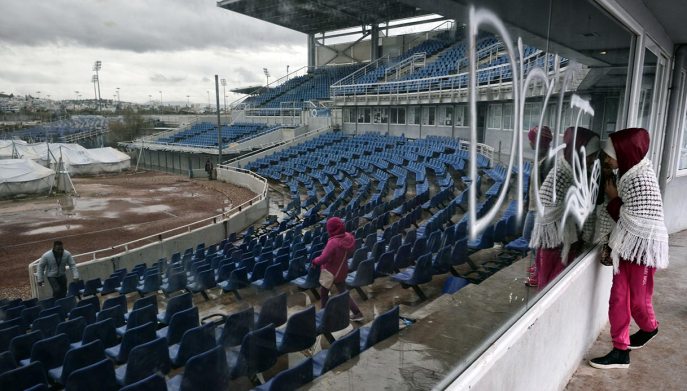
point(24, 176)
point(77, 160)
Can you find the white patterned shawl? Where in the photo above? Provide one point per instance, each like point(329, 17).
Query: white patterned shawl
point(640, 235)
point(547, 231)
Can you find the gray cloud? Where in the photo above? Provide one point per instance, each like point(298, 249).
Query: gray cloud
point(139, 26)
point(160, 78)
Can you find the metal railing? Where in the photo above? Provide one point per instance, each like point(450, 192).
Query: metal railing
point(269, 146)
point(123, 248)
point(417, 60)
point(492, 76)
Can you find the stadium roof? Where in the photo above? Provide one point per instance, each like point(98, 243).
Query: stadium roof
point(311, 17)
point(248, 90)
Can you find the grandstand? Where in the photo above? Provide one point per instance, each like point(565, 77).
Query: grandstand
point(65, 131)
point(386, 134)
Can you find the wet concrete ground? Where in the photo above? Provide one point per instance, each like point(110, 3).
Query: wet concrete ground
point(109, 210)
point(662, 363)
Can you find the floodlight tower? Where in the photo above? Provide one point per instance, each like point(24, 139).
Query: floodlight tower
point(224, 85)
point(188, 100)
point(97, 67)
point(94, 80)
point(119, 100)
point(287, 73)
point(267, 74)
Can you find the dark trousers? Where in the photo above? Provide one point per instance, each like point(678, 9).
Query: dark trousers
point(340, 287)
point(59, 286)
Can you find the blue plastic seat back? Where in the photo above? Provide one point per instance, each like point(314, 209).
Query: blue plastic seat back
point(7, 334)
point(385, 265)
point(22, 378)
point(110, 285)
point(341, 351)
point(99, 376)
point(154, 382)
point(80, 357)
point(50, 351)
point(144, 302)
point(129, 284)
point(290, 379)
point(103, 330)
point(195, 341)
point(181, 322)
point(258, 352)
point(383, 327)
point(142, 316)
point(206, 371)
point(67, 304)
point(299, 333)
point(88, 312)
point(91, 287)
point(7, 362)
point(365, 274)
point(236, 326)
point(28, 315)
point(47, 324)
point(423, 270)
point(114, 301)
point(147, 359)
point(115, 313)
point(273, 276)
point(93, 300)
point(134, 337)
point(273, 311)
point(334, 316)
point(73, 328)
point(177, 304)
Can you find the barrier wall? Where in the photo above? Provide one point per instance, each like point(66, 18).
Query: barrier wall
point(542, 350)
point(149, 249)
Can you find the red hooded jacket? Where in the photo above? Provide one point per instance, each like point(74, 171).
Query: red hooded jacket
point(337, 250)
point(631, 146)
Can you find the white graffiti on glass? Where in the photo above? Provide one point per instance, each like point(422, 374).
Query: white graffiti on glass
point(581, 196)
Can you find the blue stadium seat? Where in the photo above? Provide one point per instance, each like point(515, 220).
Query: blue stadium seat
point(98, 376)
point(334, 316)
point(181, 322)
point(341, 351)
point(73, 328)
point(363, 276)
point(383, 327)
point(49, 351)
point(258, 353)
point(235, 327)
point(104, 331)
point(144, 360)
point(273, 311)
point(132, 338)
point(23, 378)
point(77, 358)
point(174, 305)
point(7, 362)
point(412, 277)
point(138, 318)
point(151, 383)
point(290, 379)
point(205, 371)
point(46, 325)
point(299, 333)
point(194, 341)
point(7, 334)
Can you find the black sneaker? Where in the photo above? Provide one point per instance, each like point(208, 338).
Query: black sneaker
point(640, 338)
point(615, 359)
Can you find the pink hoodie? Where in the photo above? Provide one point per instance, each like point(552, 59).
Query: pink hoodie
point(337, 250)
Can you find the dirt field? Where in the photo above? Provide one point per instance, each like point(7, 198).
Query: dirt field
point(108, 210)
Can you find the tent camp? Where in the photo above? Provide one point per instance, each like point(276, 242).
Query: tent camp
point(76, 159)
point(24, 176)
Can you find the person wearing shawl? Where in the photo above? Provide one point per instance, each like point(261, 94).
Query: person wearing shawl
point(638, 242)
point(554, 243)
point(544, 165)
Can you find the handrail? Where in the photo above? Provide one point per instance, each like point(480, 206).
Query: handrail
point(277, 143)
point(363, 70)
point(186, 228)
point(266, 87)
point(443, 82)
point(426, 35)
point(408, 61)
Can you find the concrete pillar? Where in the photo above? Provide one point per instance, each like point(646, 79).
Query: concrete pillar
point(312, 53)
point(374, 42)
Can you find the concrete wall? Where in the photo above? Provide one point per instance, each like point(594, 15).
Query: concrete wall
point(544, 347)
point(209, 233)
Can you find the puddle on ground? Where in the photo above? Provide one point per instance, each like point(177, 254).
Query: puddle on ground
point(150, 209)
point(53, 229)
point(110, 215)
point(167, 189)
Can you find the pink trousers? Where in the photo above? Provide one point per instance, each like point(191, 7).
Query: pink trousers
point(631, 295)
point(549, 265)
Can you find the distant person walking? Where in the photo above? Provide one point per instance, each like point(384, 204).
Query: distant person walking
point(208, 168)
point(334, 259)
point(638, 242)
point(53, 266)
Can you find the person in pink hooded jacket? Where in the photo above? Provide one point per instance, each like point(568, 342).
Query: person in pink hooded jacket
point(334, 258)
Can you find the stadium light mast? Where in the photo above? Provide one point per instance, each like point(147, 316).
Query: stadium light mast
point(160, 100)
point(188, 100)
point(267, 73)
point(97, 67)
point(94, 80)
point(219, 125)
point(224, 92)
point(119, 100)
point(208, 91)
point(287, 73)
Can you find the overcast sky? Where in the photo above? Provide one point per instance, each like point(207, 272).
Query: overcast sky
point(146, 46)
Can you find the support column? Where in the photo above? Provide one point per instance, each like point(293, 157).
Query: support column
point(374, 42)
point(312, 53)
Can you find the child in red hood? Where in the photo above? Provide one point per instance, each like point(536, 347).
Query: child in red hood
point(638, 242)
point(334, 258)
